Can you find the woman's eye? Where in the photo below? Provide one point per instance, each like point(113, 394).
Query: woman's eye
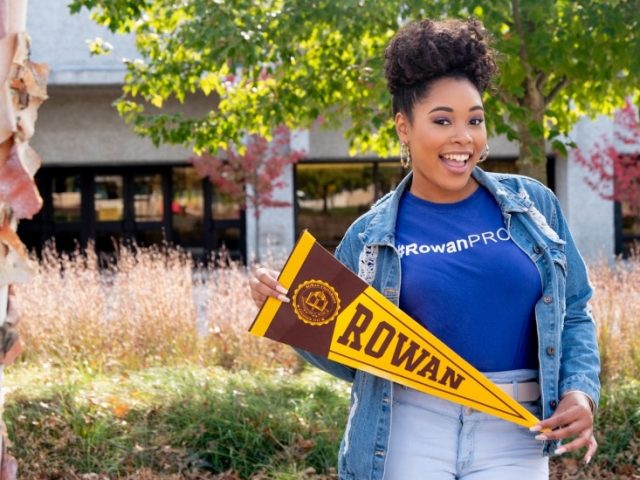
point(442, 121)
point(476, 121)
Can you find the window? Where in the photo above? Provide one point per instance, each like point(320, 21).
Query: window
point(109, 198)
point(223, 208)
point(66, 197)
point(148, 198)
point(628, 229)
point(330, 196)
point(187, 209)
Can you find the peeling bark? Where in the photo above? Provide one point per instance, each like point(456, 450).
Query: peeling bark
point(22, 91)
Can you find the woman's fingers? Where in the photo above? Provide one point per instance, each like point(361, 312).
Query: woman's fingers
point(569, 423)
point(265, 284)
point(582, 441)
point(591, 450)
point(573, 418)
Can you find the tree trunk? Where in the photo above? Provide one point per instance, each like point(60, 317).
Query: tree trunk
point(532, 160)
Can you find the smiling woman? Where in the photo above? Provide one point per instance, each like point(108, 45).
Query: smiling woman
point(485, 262)
point(445, 136)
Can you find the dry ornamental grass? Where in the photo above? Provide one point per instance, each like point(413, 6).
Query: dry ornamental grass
point(616, 309)
point(154, 306)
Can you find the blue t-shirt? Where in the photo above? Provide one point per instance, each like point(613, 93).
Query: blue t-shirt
point(467, 282)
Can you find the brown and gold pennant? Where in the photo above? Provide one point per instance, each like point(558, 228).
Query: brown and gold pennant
point(335, 314)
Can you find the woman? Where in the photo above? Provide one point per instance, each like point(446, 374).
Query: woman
point(486, 263)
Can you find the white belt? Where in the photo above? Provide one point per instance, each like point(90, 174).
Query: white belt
point(521, 391)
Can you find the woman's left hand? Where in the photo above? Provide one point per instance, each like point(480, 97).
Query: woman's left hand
point(572, 418)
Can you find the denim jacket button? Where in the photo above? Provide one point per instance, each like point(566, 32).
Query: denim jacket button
point(553, 404)
point(551, 351)
point(547, 299)
point(537, 250)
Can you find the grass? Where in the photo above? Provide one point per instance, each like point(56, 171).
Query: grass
point(191, 421)
point(197, 422)
point(143, 370)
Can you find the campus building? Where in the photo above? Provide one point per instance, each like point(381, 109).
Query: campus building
point(100, 182)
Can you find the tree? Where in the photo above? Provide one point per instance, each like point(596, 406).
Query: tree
point(22, 91)
point(613, 162)
point(273, 62)
point(251, 177)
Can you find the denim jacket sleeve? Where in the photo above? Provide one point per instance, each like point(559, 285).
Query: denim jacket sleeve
point(343, 254)
point(580, 361)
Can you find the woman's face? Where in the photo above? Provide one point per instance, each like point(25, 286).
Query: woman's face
point(445, 138)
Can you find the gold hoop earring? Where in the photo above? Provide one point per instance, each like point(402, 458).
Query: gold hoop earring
point(405, 155)
point(484, 154)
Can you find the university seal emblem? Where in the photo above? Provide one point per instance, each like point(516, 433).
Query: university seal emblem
point(316, 302)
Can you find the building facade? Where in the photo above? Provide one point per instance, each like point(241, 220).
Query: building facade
point(101, 183)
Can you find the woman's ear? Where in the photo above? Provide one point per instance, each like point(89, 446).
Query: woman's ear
point(402, 127)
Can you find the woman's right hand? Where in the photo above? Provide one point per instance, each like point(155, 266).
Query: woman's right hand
point(265, 284)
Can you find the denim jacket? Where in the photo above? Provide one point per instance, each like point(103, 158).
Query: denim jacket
point(567, 348)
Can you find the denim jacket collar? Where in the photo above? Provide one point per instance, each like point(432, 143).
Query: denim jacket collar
point(381, 229)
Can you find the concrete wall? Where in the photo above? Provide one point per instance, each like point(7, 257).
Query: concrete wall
point(590, 217)
point(277, 227)
point(60, 39)
point(79, 125)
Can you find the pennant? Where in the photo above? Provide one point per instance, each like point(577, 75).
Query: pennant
point(335, 314)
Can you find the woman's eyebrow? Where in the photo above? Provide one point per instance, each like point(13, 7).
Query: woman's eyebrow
point(450, 110)
point(444, 109)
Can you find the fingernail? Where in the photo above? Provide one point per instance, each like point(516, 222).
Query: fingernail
point(560, 451)
point(535, 428)
point(284, 299)
point(281, 289)
point(587, 460)
point(541, 437)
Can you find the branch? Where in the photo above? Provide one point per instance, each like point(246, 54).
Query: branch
point(563, 82)
point(541, 78)
point(507, 98)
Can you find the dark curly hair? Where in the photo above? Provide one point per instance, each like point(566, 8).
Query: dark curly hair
point(424, 51)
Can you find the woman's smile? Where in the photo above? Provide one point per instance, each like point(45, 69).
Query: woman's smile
point(456, 162)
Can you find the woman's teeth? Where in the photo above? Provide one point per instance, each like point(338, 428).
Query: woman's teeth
point(462, 158)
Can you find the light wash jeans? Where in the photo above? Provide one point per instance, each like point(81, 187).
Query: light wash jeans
point(434, 439)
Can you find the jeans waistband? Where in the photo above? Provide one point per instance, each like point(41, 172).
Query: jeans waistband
point(509, 376)
point(421, 400)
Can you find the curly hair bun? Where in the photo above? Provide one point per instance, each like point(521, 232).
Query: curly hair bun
point(426, 50)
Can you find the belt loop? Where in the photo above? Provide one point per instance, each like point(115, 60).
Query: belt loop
point(516, 391)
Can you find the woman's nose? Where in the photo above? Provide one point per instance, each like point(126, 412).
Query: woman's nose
point(461, 136)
